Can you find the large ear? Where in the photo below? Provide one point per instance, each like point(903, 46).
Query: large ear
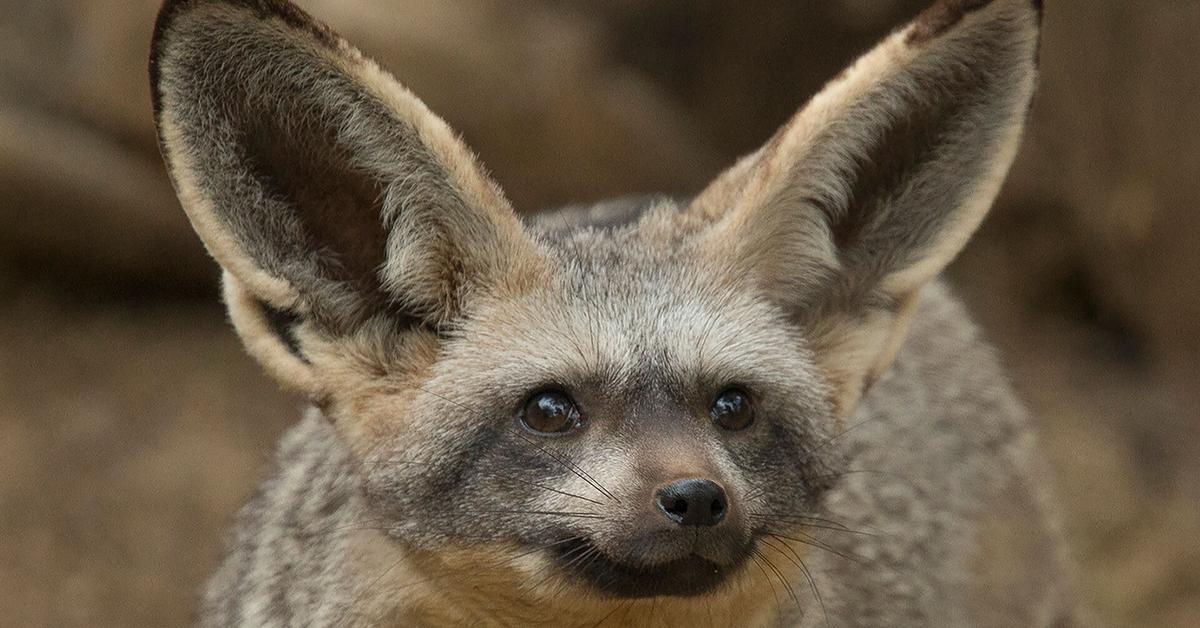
point(872, 189)
point(328, 192)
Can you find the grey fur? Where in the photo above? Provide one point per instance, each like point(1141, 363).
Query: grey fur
point(890, 477)
point(931, 467)
point(307, 168)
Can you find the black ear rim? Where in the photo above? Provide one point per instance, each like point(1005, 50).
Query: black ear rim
point(944, 15)
point(265, 9)
point(283, 323)
point(280, 319)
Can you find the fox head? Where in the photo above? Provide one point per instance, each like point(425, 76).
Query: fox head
point(632, 408)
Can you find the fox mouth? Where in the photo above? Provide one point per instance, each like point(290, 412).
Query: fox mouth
point(689, 576)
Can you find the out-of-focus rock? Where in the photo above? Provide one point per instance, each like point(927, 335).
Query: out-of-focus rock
point(528, 84)
point(84, 195)
point(580, 99)
point(1115, 143)
point(532, 87)
point(1112, 153)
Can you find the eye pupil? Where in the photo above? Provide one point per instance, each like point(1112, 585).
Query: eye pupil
point(551, 412)
point(732, 410)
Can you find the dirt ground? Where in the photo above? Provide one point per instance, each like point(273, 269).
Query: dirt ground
point(128, 436)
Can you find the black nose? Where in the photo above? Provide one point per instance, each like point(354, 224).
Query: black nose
point(692, 502)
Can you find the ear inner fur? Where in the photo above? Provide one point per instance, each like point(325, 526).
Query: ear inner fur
point(943, 15)
point(395, 287)
point(325, 189)
point(869, 191)
point(289, 121)
point(263, 340)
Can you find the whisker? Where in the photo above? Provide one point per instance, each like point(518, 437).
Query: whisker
point(492, 474)
point(553, 513)
point(540, 548)
point(374, 583)
point(583, 475)
point(363, 593)
point(756, 556)
point(812, 583)
point(811, 542)
point(577, 566)
point(784, 581)
point(616, 607)
point(550, 564)
point(569, 465)
point(552, 490)
point(575, 554)
point(755, 494)
point(844, 432)
point(804, 521)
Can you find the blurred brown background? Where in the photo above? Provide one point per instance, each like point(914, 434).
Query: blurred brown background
point(132, 425)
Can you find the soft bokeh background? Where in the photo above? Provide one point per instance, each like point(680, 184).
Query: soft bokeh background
point(132, 425)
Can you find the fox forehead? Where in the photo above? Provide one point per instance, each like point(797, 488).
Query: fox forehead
point(629, 301)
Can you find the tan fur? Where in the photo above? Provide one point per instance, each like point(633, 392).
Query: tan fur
point(516, 258)
point(219, 242)
point(263, 343)
point(395, 286)
point(721, 195)
point(518, 265)
point(976, 208)
point(855, 350)
point(497, 597)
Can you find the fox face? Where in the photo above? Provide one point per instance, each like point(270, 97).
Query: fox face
point(626, 412)
point(630, 400)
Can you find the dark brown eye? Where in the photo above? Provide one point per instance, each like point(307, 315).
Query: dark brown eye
point(551, 412)
point(732, 410)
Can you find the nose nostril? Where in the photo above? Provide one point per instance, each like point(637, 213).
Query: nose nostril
point(693, 502)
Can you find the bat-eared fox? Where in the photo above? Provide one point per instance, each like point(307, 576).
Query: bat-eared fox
point(758, 406)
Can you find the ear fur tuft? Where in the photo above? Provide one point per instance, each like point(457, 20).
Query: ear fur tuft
point(940, 17)
point(875, 185)
point(284, 10)
point(264, 339)
point(328, 192)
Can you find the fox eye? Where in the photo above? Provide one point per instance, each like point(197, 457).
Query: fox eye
point(551, 412)
point(732, 410)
